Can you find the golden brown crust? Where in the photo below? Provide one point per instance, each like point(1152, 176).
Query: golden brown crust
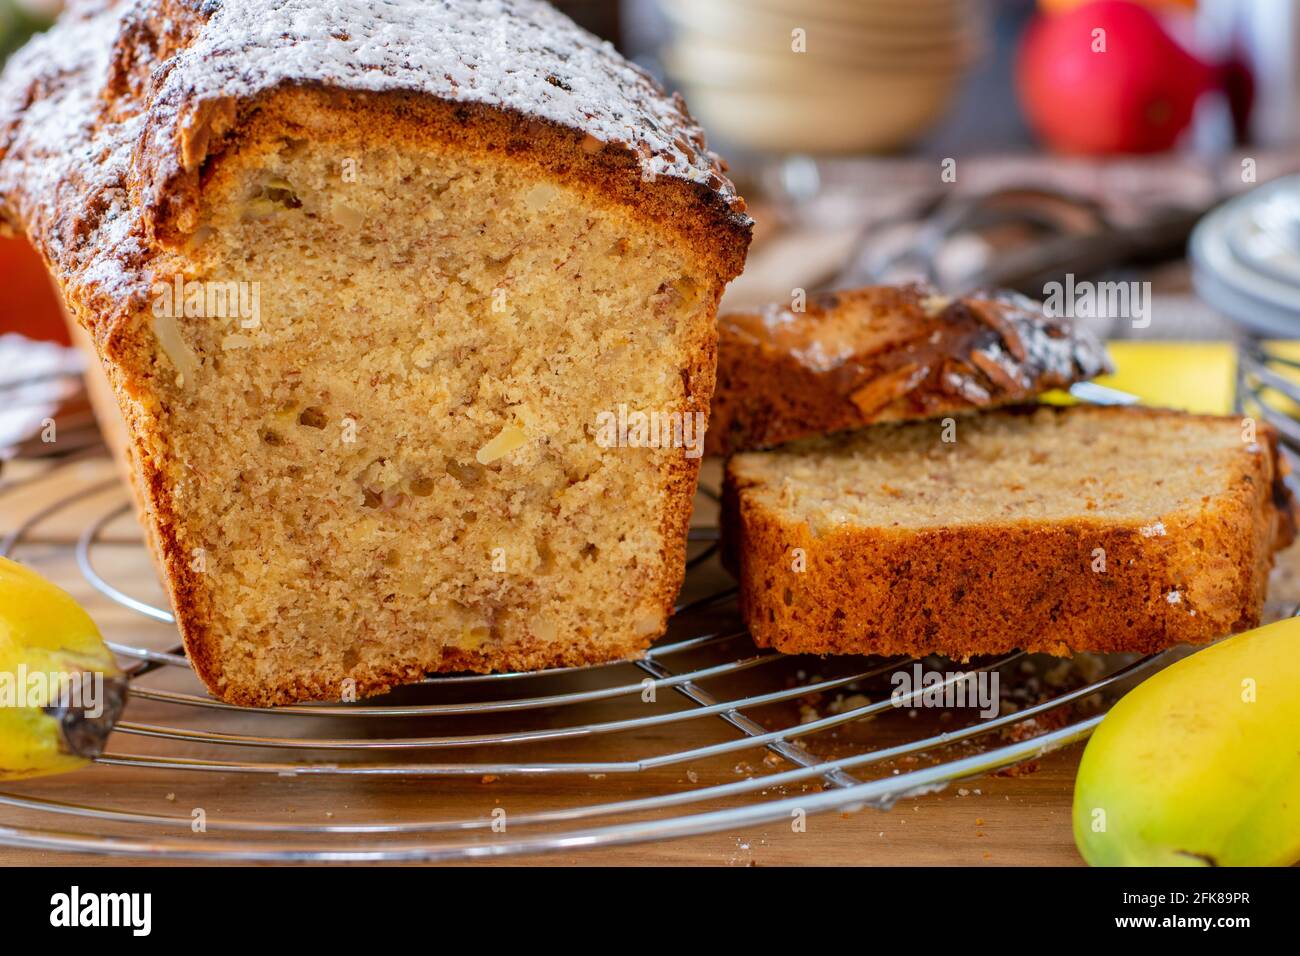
point(973, 590)
point(885, 353)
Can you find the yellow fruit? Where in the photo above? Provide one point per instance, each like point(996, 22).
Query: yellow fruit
point(1200, 764)
point(61, 691)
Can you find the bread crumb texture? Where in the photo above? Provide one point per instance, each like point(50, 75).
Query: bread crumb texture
point(1056, 530)
point(396, 464)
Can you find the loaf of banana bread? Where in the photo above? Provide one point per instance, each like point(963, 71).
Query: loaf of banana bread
point(366, 277)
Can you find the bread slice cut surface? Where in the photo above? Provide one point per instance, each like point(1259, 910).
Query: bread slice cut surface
point(1049, 529)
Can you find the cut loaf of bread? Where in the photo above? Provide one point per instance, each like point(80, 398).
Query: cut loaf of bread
point(365, 278)
point(1055, 529)
point(883, 354)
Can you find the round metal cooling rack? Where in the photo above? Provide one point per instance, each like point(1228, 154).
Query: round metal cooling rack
point(1268, 384)
point(755, 736)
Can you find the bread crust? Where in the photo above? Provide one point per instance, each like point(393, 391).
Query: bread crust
point(882, 354)
point(981, 589)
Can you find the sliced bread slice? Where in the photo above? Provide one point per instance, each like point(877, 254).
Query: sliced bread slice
point(883, 354)
point(1051, 529)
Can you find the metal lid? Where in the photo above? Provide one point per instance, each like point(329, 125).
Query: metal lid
point(1246, 259)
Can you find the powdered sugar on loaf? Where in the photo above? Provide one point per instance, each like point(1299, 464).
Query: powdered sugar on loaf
point(516, 54)
point(70, 163)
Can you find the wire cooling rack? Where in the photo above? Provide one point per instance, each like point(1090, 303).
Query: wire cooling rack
point(1268, 384)
point(727, 735)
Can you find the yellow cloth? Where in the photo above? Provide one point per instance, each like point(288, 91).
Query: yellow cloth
point(1193, 376)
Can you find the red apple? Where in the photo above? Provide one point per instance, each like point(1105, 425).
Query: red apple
point(29, 303)
point(1107, 78)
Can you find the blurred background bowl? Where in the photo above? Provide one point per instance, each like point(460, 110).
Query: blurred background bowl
point(868, 112)
point(820, 76)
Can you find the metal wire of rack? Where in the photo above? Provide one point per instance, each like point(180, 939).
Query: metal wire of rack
point(1268, 381)
point(507, 725)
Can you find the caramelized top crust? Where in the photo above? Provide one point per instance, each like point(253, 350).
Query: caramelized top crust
point(886, 353)
point(850, 331)
point(108, 121)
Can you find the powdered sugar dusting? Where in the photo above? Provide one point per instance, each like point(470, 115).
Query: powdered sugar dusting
point(58, 158)
point(1047, 343)
point(517, 54)
point(66, 145)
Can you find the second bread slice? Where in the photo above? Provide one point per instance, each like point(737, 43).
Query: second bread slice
point(1054, 530)
point(886, 354)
